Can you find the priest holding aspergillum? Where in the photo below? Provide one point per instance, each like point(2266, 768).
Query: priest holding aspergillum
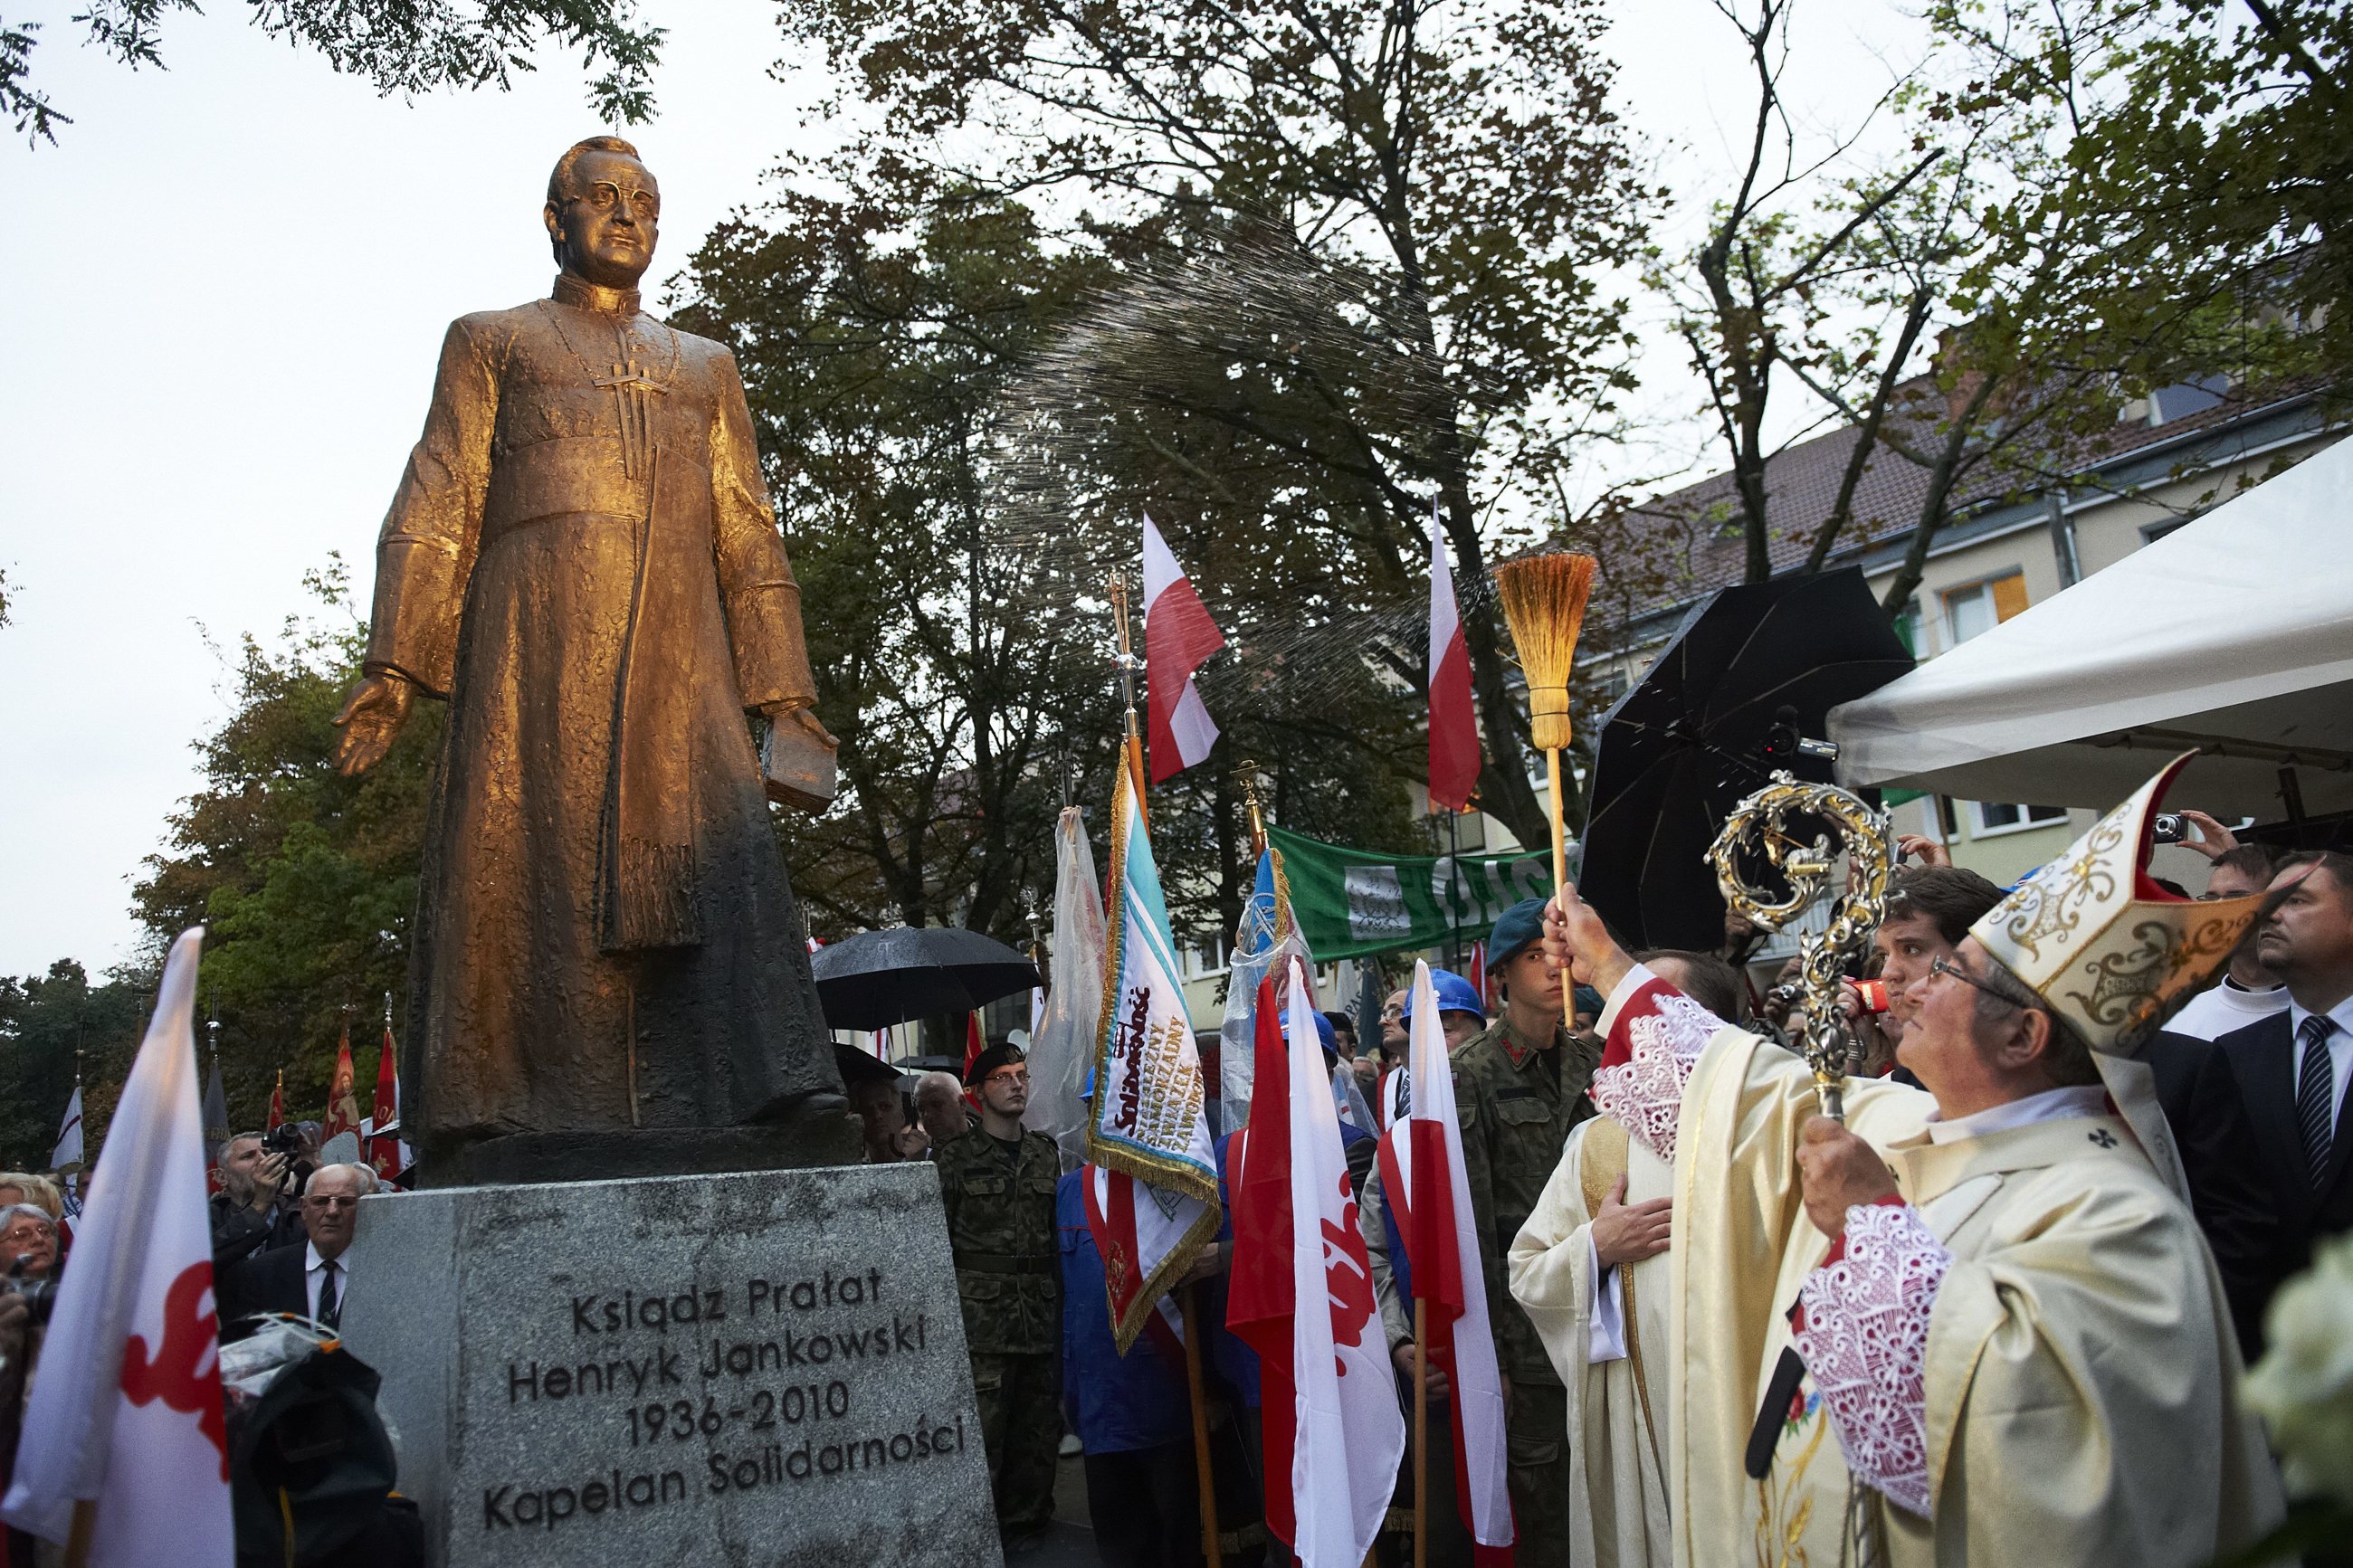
point(2003, 1306)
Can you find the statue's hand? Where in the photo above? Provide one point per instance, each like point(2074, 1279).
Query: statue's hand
point(806, 718)
point(372, 716)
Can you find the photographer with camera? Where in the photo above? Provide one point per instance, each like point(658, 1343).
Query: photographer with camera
point(262, 1176)
point(29, 1267)
point(28, 1242)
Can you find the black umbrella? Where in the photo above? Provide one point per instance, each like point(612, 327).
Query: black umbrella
point(879, 978)
point(1690, 739)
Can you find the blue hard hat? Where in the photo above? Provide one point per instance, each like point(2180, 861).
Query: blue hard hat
point(1518, 929)
point(1325, 1036)
point(1455, 994)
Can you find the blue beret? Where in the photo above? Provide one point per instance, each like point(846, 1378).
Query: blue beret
point(1520, 928)
point(1454, 993)
point(1587, 1000)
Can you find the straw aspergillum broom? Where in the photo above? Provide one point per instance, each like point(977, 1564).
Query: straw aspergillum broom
point(1543, 601)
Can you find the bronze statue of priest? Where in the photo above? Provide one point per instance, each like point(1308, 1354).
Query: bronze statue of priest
point(582, 559)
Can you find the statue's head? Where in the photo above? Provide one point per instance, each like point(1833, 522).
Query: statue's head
point(602, 209)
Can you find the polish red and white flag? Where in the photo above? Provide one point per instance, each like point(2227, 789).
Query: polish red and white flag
point(1453, 731)
point(125, 1422)
point(1302, 1297)
point(1178, 638)
point(1423, 1180)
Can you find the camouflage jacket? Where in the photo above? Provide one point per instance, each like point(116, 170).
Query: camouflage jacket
point(1000, 1213)
point(1516, 1116)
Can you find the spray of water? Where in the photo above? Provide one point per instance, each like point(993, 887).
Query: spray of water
point(1252, 385)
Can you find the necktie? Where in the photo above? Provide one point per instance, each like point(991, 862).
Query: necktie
point(331, 1306)
point(2316, 1093)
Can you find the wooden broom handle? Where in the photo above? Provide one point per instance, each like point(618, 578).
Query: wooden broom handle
point(1560, 833)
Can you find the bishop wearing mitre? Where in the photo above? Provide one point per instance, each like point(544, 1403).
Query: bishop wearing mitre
point(581, 558)
point(1993, 1292)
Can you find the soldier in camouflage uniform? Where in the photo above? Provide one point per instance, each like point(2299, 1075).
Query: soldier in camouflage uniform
point(998, 1183)
point(1519, 1088)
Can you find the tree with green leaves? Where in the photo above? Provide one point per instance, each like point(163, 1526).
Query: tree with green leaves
point(397, 46)
point(305, 879)
point(1446, 185)
point(1962, 305)
point(2204, 150)
point(50, 1025)
point(958, 629)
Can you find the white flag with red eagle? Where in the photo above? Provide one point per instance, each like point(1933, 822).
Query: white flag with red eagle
point(1330, 1418)
point(1425, 1183)
point(1178, 638)
point(126, 1415)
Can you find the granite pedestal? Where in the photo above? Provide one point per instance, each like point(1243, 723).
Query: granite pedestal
point(764, 1370)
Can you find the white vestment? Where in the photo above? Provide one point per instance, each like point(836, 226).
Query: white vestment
point(2026, 1359)
point(1607, 1334)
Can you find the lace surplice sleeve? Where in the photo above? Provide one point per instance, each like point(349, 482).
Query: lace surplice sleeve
point(1654, 1036)
point(1862, 1328)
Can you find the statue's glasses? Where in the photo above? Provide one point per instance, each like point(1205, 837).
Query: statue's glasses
point(605, 196)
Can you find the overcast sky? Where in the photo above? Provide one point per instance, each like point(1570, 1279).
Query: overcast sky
point(228, 284)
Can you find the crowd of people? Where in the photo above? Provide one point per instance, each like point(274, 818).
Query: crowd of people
point(1570, 1092)
point(1572, 1189)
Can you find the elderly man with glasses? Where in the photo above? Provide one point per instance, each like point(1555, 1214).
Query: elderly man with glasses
point(1992, 1291)
point(997, 1184)
point(311, 1280)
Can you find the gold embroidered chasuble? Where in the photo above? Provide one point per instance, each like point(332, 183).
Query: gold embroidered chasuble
point(2081, 1381)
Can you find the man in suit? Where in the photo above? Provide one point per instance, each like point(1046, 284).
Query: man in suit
point(2292, 1066)
point(310, 1280)
point(2247, 993)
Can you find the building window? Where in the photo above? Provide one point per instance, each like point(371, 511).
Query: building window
point(1998, 816)
point(1981, 606)
point(1206, 959)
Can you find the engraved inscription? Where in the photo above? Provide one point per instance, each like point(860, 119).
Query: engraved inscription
point(704, 1391)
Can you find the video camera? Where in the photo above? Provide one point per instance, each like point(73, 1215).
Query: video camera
point(40, 1295)
point(287, 1139)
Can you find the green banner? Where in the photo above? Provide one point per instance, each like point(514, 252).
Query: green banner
point(1350, 902)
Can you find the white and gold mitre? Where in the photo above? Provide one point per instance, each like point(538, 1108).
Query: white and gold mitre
point(2105, 947)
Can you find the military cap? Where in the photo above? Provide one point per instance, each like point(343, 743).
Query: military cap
point(1001, 1055)
point(1518, 929)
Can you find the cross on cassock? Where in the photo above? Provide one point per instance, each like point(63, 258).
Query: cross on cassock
point(629, 385)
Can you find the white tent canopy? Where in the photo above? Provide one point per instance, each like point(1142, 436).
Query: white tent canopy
point(2233, 633)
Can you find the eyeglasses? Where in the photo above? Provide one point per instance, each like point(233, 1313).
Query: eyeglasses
point(1009, 1075)
point(1940, 964)
point(1391, 1015)
point(331, 1203)
point(604, 195)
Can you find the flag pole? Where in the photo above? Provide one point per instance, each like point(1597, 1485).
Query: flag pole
point(1420, 1431)
point(79, 1533)
point(1131, 759)
point(1211, 1551)
point(1131, 749)
point(1257, 811)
